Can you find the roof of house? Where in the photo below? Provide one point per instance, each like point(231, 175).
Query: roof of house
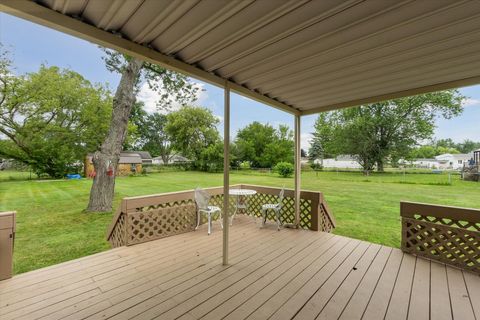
point(454, 156)
point(175, 157)
point(145, 155)
point(425, 159)
point(125, 158)
point(129, 159)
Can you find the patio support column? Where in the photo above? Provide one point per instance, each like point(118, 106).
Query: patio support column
point(226, 170)
point(298, 169)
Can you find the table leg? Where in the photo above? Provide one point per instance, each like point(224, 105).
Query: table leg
point(235, 212)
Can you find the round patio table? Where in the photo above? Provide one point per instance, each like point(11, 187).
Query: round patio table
point(242, 197)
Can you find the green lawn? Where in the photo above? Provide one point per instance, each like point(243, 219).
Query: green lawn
point(52, 227)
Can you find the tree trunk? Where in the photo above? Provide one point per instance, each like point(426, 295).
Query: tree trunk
point(380, 166)
point(105, 161)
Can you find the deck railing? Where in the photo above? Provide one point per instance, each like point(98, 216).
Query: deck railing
point(151, 217)
point(448, 234)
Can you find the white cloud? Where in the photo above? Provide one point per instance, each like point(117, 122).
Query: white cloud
point(150, 98)
point(305, 141)
point(471, 102)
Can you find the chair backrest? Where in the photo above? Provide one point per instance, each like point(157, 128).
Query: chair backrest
point(201, 198)
point(280, 197)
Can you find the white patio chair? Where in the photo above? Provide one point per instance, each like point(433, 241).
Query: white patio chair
point(276, 207)
point(201, 199)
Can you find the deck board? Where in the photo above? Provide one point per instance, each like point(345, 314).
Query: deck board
point(273, 274)
point(359, 300)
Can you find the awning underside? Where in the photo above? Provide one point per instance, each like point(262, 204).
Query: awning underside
point(310, 55)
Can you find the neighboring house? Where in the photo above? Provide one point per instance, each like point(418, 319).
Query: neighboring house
point(443, 161)
point(129, 163)
point(145, 155)
point(341, 162)
point(174, 159)
point(453, 161)
point(426, 163)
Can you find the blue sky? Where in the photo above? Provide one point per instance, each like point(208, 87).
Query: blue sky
point(32, 45)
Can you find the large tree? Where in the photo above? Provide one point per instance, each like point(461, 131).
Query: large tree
point(386, 130)
point(171, 86)
point(51, 118)
point(149, 133)
point(321, 136)
point(263, 145)
point(193, 133)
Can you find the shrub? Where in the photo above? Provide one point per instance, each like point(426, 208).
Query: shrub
point(284, 169)
point(244, 165)
point(316, 166)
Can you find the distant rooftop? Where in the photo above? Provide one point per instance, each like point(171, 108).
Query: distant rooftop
point(143, 154)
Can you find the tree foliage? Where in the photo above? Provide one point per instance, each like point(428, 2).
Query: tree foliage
point(386, 130)
point(193, 133)
point(172, 87)
point(263, 145)
point(149, 134)
point(51, 118)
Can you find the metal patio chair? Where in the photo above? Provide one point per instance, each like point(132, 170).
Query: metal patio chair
point(276, 207)
point(202, 198)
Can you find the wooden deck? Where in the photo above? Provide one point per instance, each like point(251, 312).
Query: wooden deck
point(275, 275)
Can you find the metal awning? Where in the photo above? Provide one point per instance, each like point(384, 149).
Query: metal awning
point(300, 56)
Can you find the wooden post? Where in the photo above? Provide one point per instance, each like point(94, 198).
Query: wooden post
point(298, 169)
point(226, 168)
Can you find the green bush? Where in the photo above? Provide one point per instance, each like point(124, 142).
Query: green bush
point(244, 165)
point(316, 166)
point(284, 169)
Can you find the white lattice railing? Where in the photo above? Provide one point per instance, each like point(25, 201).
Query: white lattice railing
point(447, 234)
point(146, 218)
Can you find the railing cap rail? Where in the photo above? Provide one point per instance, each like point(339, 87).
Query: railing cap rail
point(409, 209)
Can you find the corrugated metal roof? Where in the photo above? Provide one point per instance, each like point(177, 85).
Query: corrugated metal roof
point(308, 55)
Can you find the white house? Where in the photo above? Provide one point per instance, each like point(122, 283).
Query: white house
point(341, 162)
point(453, 161)
point(174, 159)
point(425, 163)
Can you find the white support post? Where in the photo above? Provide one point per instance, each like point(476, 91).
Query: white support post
point(298, 169)
point(226, 171)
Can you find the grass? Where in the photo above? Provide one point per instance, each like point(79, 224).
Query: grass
point(10, 175)
point(52, 227)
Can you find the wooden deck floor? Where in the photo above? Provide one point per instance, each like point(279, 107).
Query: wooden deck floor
point(273, 275)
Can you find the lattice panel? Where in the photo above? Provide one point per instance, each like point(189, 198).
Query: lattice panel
point(326, 223)
point(449, 222)
point(446, 243)
point(215, 201)
point(288, 209)
point(174, 218)
point(256, 201)
point(117, 238)
point(165, 205)
point(306, 214)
